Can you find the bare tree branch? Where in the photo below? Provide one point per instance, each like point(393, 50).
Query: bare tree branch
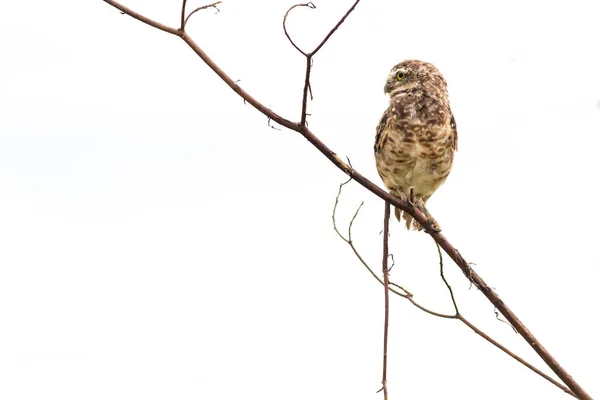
point(301, 128)
point(409, 296)
point(386, 288)
point(142, 18)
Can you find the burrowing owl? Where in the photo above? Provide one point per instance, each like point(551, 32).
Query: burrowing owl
point(416, 137)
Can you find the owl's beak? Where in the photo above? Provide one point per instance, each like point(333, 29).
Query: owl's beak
point(387, 88)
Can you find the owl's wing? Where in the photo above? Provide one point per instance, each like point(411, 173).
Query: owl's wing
point(454, 133)
point(381, 136)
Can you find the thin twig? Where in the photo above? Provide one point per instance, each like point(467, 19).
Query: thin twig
point(332, 31)
point(309, 5)
point(182, 25)
point(307, 87)
point(513, 355)
point(306, 90)
point(406, 294)
point(382, 194)
point(386, 288)
point(444, 279)
point(503, 321)
point(309, 59)
point(201, 8)
point(352, 221)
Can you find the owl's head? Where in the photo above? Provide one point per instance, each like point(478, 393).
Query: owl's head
point(413, 74)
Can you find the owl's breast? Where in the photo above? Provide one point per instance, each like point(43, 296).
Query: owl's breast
point(415, 154)
point(434, 158)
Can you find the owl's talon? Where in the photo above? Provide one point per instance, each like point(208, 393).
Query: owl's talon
point(435, 227)
point(399, 192)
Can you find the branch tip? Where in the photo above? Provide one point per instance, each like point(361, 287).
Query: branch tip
point(185, 20)
point(309, 5)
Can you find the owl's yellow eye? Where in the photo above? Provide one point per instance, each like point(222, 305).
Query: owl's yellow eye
point(400, 75)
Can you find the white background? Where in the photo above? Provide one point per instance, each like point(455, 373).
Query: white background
point(158, 240)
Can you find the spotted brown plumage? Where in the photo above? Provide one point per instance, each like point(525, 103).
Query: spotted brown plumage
point(416, 136)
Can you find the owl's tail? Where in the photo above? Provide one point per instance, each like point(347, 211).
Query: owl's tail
point(410, 222)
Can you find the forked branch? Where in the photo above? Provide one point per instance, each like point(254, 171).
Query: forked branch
point(410, 297)
point(307, 88)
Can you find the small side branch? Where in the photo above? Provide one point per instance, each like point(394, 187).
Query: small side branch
point(309, 5)
point(445, 281)
point(306, 90)
point(309, 56)
point(335, 28)
point(184, 19)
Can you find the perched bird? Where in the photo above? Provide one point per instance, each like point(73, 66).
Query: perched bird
point(416, 136)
